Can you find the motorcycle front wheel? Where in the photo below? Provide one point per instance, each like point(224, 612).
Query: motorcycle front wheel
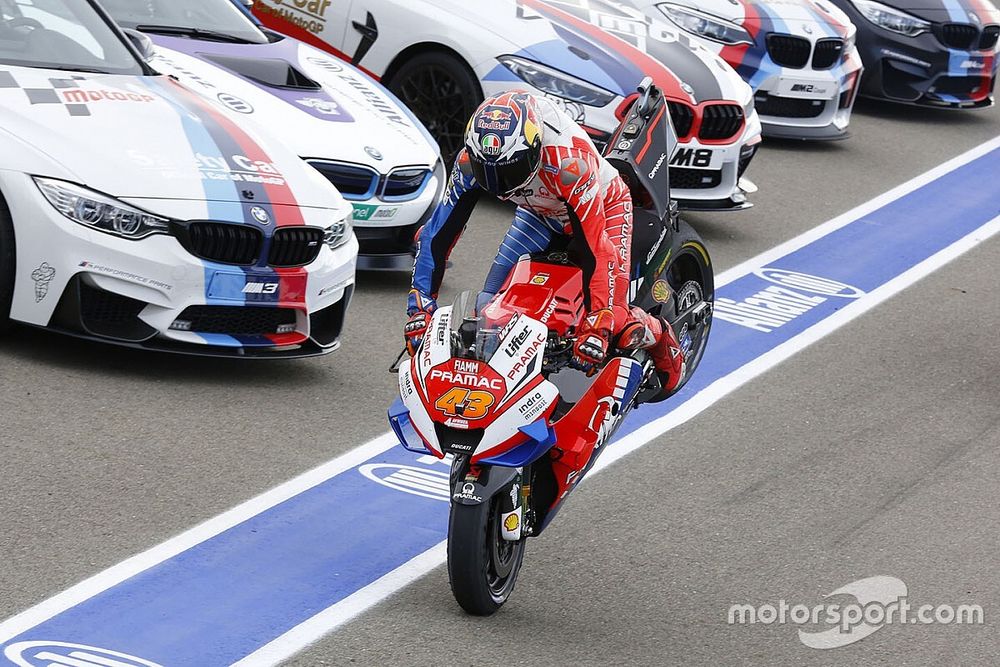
point(482, 566)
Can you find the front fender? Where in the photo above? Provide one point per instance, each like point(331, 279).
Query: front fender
point(466, 490)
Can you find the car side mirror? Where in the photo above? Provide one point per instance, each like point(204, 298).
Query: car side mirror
point(142, 43)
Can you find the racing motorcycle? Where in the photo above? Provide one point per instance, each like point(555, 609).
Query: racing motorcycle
point(495, 387)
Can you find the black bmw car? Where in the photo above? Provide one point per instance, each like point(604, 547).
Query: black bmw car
point(940, 53)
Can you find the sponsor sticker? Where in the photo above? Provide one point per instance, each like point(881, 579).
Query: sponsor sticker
point(540, 279)
point(492, 145)
point(373, 213)
point(42, 276)
point(805, 89)
point(661, 291)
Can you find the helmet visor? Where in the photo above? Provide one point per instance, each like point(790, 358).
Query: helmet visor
point(503, 178)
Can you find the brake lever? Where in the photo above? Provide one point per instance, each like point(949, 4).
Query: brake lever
point(396, 365)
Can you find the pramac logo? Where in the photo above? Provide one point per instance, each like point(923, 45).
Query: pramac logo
point(64, 654)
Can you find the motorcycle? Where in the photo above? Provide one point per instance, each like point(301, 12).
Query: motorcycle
point(494, 385)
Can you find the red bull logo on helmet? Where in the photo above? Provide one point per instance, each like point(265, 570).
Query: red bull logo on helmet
point(495, 119)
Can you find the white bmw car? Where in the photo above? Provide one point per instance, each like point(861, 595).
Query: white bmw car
point(134, 212)
point(799, 56)
point(349, 127)
point(441, 57)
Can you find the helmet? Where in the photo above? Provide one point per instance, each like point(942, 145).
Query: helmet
point(504, 142)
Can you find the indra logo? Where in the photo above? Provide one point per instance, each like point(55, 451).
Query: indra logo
point(235, 103)
point(64, 654)
point(435, 484)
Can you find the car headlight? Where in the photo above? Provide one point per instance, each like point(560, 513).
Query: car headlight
point(705, 25)
point(100, 212)
point(890, 18)
point(339, 233)
point(557, 83)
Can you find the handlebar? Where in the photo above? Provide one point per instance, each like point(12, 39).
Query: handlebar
point(648, 93)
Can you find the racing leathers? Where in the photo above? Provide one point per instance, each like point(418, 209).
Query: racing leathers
point(575, 193)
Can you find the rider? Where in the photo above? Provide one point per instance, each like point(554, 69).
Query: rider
point(524, 149)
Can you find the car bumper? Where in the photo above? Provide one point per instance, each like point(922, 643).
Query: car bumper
point(385, 226)
point(920, 70)
point(809, 104)
point(153, 293)
point(715, 187)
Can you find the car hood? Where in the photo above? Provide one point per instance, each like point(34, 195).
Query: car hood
point(625, 45)
point(147, 137)
point(949, 11)
point(805, 18)
point(322, 107)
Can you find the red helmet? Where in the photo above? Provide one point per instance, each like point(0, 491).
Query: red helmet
point(504, 142)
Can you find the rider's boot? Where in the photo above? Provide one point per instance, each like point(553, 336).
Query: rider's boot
point(646, 332)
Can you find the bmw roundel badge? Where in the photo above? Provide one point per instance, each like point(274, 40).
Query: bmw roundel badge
point(260, 215)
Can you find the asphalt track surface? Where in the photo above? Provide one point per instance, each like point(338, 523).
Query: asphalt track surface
point(872, 452)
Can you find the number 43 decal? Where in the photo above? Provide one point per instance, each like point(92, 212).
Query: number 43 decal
point(465, 403)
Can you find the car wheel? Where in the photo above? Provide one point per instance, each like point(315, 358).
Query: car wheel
point(7, 262)
point(443, 93)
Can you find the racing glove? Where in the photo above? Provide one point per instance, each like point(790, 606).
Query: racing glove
point(593, 339)
point(420, 309)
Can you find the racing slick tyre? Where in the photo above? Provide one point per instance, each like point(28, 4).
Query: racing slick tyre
point(482, 566)
point(7, 263)
point(692, 293)
point(443, 93)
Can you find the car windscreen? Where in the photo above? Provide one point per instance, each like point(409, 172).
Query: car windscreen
point(199, 19)
point(62, 34)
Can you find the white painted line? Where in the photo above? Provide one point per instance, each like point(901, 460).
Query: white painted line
point(856, 213)
point(116, 574)
point(301, 636)
point(306, 633)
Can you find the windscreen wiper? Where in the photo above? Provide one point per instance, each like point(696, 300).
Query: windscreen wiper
point(73, 68)
point(200, 33)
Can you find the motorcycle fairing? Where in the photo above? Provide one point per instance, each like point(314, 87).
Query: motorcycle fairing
point(511, 377)
point(594, 418)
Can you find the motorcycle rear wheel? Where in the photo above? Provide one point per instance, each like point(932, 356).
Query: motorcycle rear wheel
point(690, 277)
point(482, 566)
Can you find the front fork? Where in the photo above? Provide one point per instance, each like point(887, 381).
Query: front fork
point(474, 485)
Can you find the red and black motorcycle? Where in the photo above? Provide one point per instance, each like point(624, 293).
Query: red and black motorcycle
point(493, 384)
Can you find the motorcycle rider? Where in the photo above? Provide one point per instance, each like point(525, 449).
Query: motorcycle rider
point(526, 150)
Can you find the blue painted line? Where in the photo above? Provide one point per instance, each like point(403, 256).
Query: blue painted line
point(222, 599)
